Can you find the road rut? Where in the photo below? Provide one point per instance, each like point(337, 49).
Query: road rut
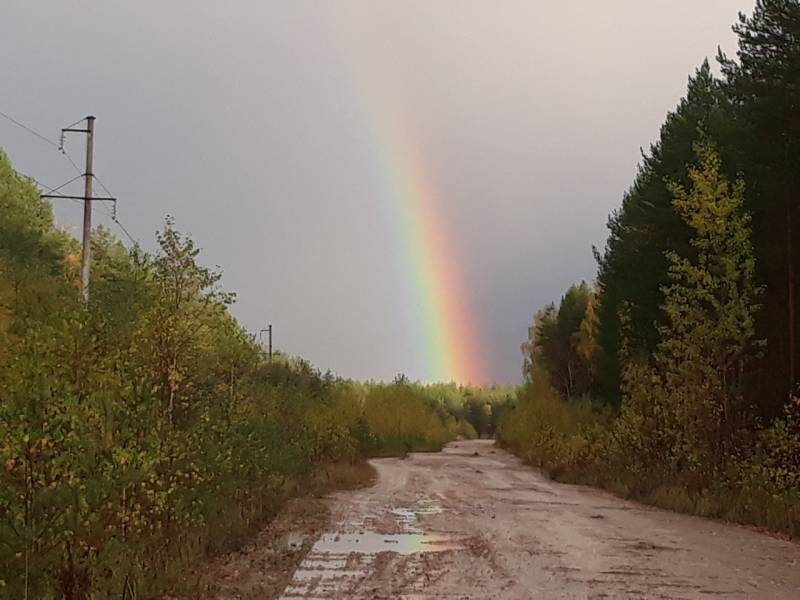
point(472, 522)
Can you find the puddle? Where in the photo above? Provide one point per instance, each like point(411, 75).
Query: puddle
point(339, 560)
point(373, 543)
point(292, 541)
point(408, 516)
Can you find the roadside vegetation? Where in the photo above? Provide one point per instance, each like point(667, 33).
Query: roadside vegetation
point(674, 378)
point(146, 430)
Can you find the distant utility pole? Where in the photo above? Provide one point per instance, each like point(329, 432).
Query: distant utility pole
point(269, 338)
point(88, 177)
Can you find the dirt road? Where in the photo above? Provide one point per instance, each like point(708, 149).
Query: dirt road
point(473, 523)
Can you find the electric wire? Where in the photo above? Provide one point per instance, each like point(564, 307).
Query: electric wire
point(69, 158)
point(70, 126)
point(29, 129)
point(132, 239)
point(47, 188)
point(59, 146)
point(114, 215)
point(64, 184)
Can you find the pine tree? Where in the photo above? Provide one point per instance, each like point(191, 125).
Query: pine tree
point(764, 86)
point(633, 266)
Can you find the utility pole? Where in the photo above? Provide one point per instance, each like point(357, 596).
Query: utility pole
point(269, 338)
point(86, 255)
point(88, 198)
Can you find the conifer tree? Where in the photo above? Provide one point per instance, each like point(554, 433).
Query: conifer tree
point(764, 86)
point(632, 268)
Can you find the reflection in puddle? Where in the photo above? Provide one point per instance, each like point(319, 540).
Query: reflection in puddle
point(372, 543)
point(408, 516)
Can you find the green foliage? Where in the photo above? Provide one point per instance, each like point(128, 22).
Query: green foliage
point(477, 410)
point(694, 394)
point(548, 431)
point(583, 443)
point(764, 86)
point(697, 337)
point(686, 437)
point(752, 116)
point(633, 267)
point(402, 419)
point(561, 342)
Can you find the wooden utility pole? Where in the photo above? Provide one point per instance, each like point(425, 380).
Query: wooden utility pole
point(88, 198)
point(86, 255)
point(269, 342)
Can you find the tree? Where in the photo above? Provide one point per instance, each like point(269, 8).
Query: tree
point(587, 345)
point(187, 300)
point(32, 251)
point(632, 268)
point(764, 87)
point(554, 343)
point(710, 303)
point(543, 328)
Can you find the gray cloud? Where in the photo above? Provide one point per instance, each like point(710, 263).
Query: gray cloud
point(243, 120)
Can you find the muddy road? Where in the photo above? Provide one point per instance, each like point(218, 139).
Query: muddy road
point(473, 523)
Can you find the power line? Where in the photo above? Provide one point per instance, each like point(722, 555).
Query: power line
point(59, 146)
point(114, 214)
point(111, 214)
point(102, 185)
point(29, 129)
point(63, 140)
point(125, 231)
point(69, 158)
point(71, 125)
point(51, 190)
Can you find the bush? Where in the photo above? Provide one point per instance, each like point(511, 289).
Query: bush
point(548, 432)
point(634, 454)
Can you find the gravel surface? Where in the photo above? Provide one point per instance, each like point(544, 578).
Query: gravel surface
point(472, 522)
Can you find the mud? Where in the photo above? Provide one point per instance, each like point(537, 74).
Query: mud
point(473, 523)
point(263, 567)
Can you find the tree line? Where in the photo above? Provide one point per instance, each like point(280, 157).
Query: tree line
point(146, 430)
point(674, 377)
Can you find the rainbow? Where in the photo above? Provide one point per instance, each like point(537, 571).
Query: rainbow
point(438, 299)
point(447, 322)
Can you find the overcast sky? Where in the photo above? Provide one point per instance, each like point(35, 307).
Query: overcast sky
point(247, 122)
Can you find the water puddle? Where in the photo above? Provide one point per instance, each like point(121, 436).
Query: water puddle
point(338, 560)
point(373, 543)
point(408, 516)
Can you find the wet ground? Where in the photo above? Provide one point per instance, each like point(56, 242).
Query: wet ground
point(473, 523)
